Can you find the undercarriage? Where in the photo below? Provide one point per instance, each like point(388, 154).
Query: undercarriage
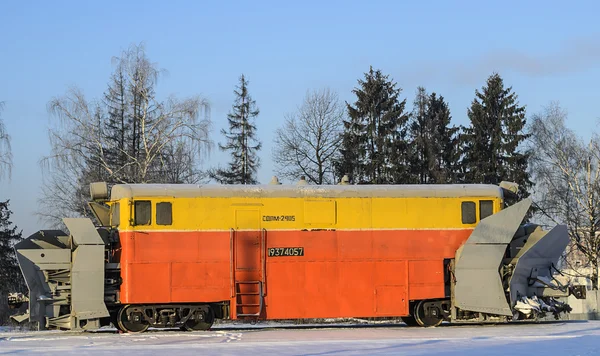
point(192, 317)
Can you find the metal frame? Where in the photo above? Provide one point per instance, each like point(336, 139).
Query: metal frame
point(263, 276)
point(260, 294)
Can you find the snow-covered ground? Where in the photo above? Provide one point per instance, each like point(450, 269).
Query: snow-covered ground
point(548, 338)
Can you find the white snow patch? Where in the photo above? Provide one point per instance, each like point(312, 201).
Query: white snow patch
point(552, 338)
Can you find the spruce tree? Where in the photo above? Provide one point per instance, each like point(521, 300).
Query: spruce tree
point(11, 279)
point(445, 153)
point(374, 140)
point(420, 130)
point(118, 125)
point(93, 169)
point(5, 150)
point(241, 140)
point(491, 142)
point(433, 144)
point(133, 115)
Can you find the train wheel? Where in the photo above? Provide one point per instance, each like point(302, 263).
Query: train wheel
point(409, 320)
point(129, 326)
point(201, 325)
point(424, 320)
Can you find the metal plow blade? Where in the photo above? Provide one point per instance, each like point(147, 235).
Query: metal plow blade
point(41, 252)
point(535, 260)
point(64, 275)
point(532, 285)
point(478, 283)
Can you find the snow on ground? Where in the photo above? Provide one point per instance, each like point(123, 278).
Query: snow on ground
point(549, 338)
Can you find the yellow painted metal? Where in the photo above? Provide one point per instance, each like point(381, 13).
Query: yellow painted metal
point(203, 213)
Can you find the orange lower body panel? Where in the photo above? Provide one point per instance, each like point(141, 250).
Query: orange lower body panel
point(330, 274)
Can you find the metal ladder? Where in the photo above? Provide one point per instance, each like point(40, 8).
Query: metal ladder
point(240, 305)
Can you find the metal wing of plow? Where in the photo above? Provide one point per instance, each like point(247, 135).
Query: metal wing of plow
point(478, 282)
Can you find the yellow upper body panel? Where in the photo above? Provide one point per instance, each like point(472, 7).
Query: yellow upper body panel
point(333, 207)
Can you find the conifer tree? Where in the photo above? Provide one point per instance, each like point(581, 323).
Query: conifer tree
point(241, 140)
point(5, 150)
point(118, 124)
point(445, 141)
point(491, 142)
point(11, 279)
point(374, 140)
point(420, 130)
point(433, 145)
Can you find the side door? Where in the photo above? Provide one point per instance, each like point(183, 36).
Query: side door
point(248, 262)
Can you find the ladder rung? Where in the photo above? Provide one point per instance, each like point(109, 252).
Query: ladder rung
point(256, 296)
point(257, 314)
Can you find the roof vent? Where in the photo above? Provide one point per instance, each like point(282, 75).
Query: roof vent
point(302, 181)
point(275, 181)
point(345, 180)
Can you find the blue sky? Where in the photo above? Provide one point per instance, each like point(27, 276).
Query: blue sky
point(546, 50)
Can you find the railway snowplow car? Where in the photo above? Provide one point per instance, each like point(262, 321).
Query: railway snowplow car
point(184, 255)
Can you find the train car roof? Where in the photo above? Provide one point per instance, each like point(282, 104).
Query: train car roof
point(121, 191)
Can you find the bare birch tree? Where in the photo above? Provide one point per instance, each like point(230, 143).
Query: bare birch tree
point(129, 137)
point(567, 175)
point(5, 149)
point(76, 158)
point(309, 140)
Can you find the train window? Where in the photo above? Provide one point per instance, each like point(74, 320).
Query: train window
point(115, 215)
point(486, 208)
point(468, 210)
point(143, 212)
point(164, 213)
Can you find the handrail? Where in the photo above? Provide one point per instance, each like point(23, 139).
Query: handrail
point(263, 259)
point(262, 299)
point(232, 262)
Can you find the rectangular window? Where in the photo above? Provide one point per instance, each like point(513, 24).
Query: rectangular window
point(115, 216)
point(164, 213)
point(143, 212)
point(468, 212)
point(486, 208)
